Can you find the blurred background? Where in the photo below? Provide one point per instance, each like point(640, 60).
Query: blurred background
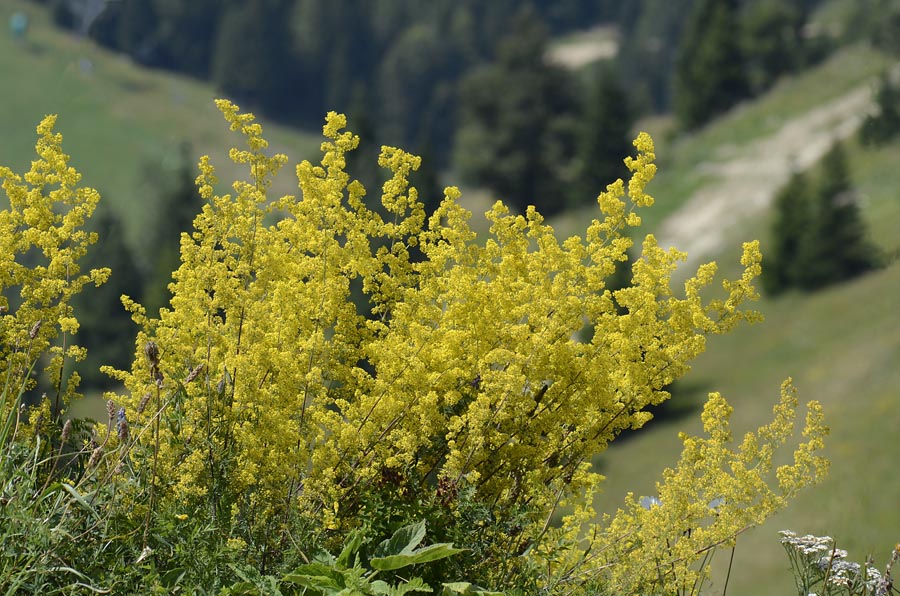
point(773, 119)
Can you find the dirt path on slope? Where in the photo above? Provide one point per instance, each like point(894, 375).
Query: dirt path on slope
point(745, 182)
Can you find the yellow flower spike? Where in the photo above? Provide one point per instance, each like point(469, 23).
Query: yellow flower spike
point(46, 216)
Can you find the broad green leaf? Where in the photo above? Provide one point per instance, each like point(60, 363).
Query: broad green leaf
point(317, 576)
point(239, 589)
point(403, 541)
point(80, 498)
point(172, 577)
point(415, 584)
point(423, 555)
point(320, 584)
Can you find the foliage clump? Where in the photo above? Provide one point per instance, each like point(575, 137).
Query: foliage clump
point(518, 130)
point(267, 416)
point(42, 239)
point(710, 75)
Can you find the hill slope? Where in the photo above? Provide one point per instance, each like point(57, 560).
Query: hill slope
point(115, 117)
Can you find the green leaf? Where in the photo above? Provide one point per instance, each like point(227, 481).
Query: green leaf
point(423, 555)
point(415, 584)
point(317, 576)
point(351, 546)
point(80, 499)
point(403, 541)
point(172, 577)
point(239, 589)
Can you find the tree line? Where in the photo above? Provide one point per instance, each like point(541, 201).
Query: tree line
point(467, 81)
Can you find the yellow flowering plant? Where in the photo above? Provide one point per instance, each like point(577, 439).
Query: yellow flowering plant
point(469, 375)
point(272, 409)
point(42, 238)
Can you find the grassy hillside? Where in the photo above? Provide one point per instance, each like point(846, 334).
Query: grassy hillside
point(840, 345)
point(688, 162)
point(114, 116)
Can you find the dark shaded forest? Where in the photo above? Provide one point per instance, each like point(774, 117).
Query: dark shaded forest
point(421, 71)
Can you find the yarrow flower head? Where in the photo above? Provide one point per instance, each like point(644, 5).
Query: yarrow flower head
point(816, 562)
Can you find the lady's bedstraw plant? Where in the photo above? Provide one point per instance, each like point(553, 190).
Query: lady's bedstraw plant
point(44, 535)
point(713, 495)
point(41, 240)
point(464, 389)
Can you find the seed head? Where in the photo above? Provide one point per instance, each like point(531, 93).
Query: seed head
point(95, 457)
point(122, 426)
point(193, 374)
point(151, 350)
point(142, 405)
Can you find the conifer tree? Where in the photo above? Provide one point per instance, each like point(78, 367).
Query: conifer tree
point(836, 247)
point(651, 33)
point(362, 164)
point(773, 41)
point(427, 179)
point(881, 127)
point(413, 82)
point(605, 136)
point(518, 122)
point(710, 72)
point(781, 265)
point(106, 327)
point(136, 29)
point(186, 33)
point(251, 53)
point(177, 203)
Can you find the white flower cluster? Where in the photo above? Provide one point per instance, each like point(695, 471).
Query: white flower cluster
point(818, 556)
point(809, 544)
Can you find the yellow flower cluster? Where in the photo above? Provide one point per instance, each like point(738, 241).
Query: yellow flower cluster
point(500, 365)
point(42, 237)
point(713, 494)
